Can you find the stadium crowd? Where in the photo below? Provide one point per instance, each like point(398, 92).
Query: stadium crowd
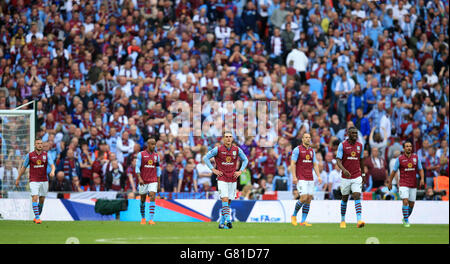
point(105, 74)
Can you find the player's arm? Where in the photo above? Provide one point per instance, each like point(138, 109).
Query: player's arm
point(138, 168)
point(421, 173)
point(22, 169)
point(393, 172)
point(361, 165)
point(316, 168)
point(158, 174)
point(52, 166)
point(294, 158)
point(244, 163)
point(339, 155)
point(211, 154)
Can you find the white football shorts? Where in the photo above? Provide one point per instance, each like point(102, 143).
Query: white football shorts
point(355, 185)
point(227, 189)
point(407, 193)
point(39, 188)
point(146, 188)
point(305, 187)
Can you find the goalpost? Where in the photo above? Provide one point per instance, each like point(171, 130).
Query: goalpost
point(17, 134)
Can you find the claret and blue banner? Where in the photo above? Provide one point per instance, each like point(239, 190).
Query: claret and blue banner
point(208, 210)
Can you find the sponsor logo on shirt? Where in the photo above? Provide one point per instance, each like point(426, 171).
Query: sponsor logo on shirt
point(227, 161)
point(39, 164)
point(149, 164)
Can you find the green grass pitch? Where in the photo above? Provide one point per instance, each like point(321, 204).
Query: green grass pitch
point(116, 232)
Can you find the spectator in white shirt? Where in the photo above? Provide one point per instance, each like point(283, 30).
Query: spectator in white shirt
point(204, 174)
point(222, 31)
point(334, 179)
point(430, 77)
point(300, 61)
point(125, 147)
point(209, 78)
point(398, 11)
point(33, 32)
point(201, 17)
point(183, 75)
point(358, 12)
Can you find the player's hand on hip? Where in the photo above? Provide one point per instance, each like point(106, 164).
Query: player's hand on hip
point(217, 172)
point(237, 173)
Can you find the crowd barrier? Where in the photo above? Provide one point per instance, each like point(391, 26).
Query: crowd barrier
point(207, 210)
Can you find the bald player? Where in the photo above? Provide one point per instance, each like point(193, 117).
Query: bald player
point(148, 172)
point(350, 159)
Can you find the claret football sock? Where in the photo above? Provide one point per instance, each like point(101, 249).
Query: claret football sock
point(305, 212)
point(143, 209)
point(298, 206)
point(225, 211)
point(41, 206)
point(152, 210)
point(405, 210)
point(358, 209)
point(343, 210)
point(36, 210)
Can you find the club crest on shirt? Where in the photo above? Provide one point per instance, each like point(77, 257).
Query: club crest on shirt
point(44, 157)
point(357, 147)
point(414, 159)
point(234, 153)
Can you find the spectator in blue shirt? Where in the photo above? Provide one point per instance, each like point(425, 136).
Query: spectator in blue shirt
point(356, 100)
point(315, 85)
point(362, 123)
point(376, 114)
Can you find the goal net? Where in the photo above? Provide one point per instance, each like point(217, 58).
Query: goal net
point(17, 133)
